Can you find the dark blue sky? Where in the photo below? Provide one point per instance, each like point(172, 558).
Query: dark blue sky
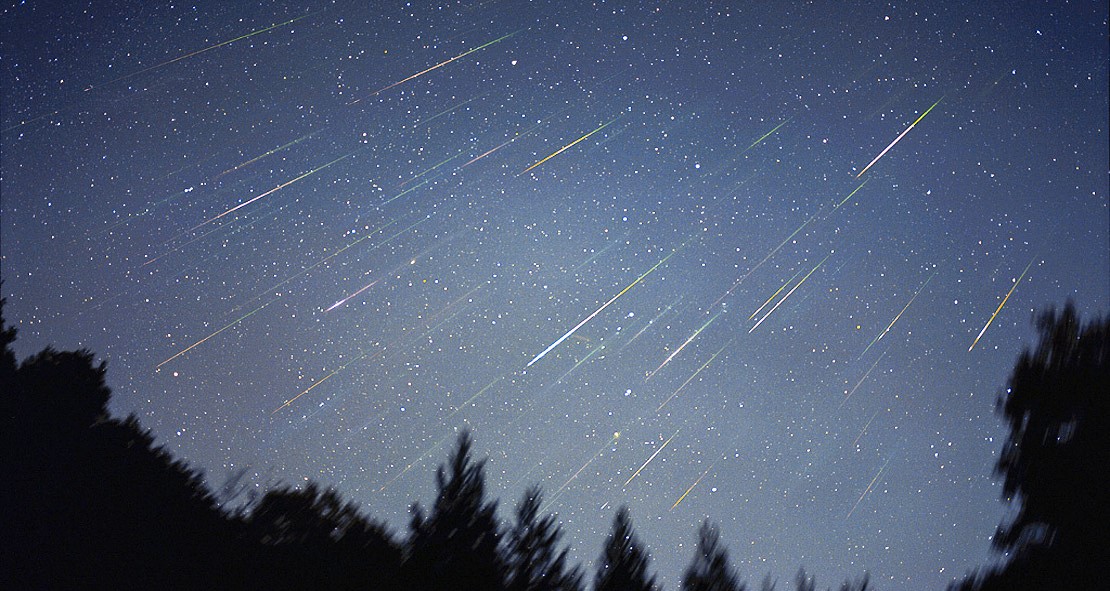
point(318, 239)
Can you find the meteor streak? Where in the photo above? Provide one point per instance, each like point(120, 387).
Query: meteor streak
point(568, 146)
point(229, 325)
point(324, 379)
point(868, 489)
point(570, 332)
point(695, 374)
point(845, 200)
point(271, 191)
point(693, 485)
point(274, 151)
point(861, 380)
point(440, 65)
point(554, 497)
point(775, 295)
point(897, 139)
point(907, 307)
point(200, 51)
point(688, 341)
point(661, 448)
point(766, 135)
point(788, 294)
point(766, 258)
point(346, 299)
point(1010, 293)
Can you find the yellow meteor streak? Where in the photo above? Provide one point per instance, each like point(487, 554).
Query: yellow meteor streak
point(661, 448)
point(907, 307)
point(861, 380)
point(272, 191)
point(570, 332)
point(229, 325)
point(1010, 293)
point(766, 135)
point(440, 64)
point(680, 499)
point(200, 51)
point(474, 397)
point(688, 341)
point(897, 139)
point(766, 258)
point(416, 461)
point(568, 146)
point(868, 489)
point(695, 374)
point(789, 293)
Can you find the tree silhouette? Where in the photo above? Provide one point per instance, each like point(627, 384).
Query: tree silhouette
point(1057, 407)
point(335, 544)
point(710, 569)
point(535, 563)
point(456, 546)
point(804, 582)
point(624, 561)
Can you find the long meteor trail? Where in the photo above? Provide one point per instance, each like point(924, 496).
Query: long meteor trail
point(570, 145)
point(661, 448)
point(570, 332)
point(1010, 293)
point(229, 325)
point(440, 65)
point(788, 294)
point(897, 139)
point(683, 346)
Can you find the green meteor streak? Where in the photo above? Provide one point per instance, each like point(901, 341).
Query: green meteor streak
point(229, 325)
point(570, 145)
point(845, 200)
point(897, 139)
point(766, 135)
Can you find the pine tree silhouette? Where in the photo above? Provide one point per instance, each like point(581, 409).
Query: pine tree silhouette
point(624, 561)
point(535, 562)
point(1057, 407)
point(457, 545)
point(710, 569)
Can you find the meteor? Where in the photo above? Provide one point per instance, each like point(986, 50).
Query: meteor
point(229, 325)
point(897, 139)
point(570, 332)
point(271, 152)
point(695, 374)
point(693, 485)
point(766, 135)
point(568, 146)
point(766, 258)
point(788, 294)
point(688, 341)
point(661, 448)
point(1010, 293)
point(440, 65)
point(845, 200)
point(616, 437)
point(907, 307)
point(346, 299)
point(868, 489)
point(200, 51)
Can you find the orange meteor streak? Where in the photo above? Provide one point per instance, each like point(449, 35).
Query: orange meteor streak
point(1010, 293)
point(570, 145)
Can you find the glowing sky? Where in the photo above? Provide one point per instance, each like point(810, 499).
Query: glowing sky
point(318, 239)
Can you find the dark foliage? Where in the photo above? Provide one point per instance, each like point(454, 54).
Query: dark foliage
point(456, 546)
point(536, 563)
point(623, 565)
point(710, 569)
point(1057, 407)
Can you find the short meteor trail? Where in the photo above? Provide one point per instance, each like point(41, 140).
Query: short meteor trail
point(788, 294)
point(1010, 293)
point(570, 332)
point(440, 65)
point(845, 200)
point(616, 437)
point(680, 499)
point(861, 381)
point(766, 258)
point(330, 375)
point(775, 295)
point(766, 135)
point(906, 307)
point(229, 325)
point(346, 299)
point(568, 146)
point(661, 448)
point(199, 51)
point(683, 346)
point(271, 152)
point(897, 139)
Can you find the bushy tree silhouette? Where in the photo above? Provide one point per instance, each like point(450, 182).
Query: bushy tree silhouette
point(329, 540)
point(710, 569)
point(624, 561)
point(535, 562)
point(1057, 407)
point(457, 545)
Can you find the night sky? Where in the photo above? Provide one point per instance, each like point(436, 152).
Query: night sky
point(628, 245)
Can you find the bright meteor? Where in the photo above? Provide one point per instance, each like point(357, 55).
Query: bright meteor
point(570, 332)
point(570, 145)
point(897, 139)
point(999, 309)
